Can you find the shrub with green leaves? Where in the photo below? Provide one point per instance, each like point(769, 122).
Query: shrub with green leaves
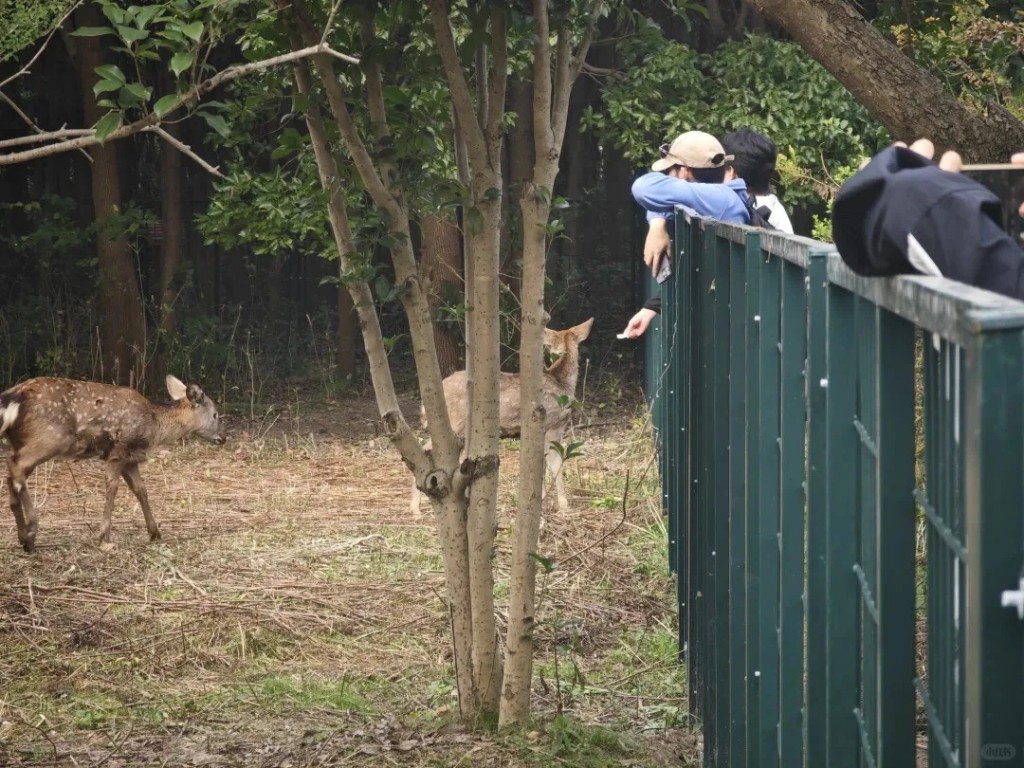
point(760, 83)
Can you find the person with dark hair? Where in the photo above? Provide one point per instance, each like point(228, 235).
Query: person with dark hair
point(755, 159)
point(902, 213)
point(691, 173)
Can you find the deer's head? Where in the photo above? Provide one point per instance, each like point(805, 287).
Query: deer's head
point(205, 421)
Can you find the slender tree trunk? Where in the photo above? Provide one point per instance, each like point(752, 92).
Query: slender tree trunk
point(172, 245)
point(442, 275)
point(906, 99)
point(345, 355)
point(122, 316)
point(553, 76)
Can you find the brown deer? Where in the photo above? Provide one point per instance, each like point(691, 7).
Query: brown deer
point(49, 418)
point(559, 391)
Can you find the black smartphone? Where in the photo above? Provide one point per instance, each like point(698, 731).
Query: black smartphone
point(1007, 182)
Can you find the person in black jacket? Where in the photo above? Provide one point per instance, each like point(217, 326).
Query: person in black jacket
point(902, 213)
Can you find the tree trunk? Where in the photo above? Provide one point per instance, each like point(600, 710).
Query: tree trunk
point(554, 72)
point(442, 276)
point(122, 331)
point(345, 355)
point(906, 99)
point(172, 246)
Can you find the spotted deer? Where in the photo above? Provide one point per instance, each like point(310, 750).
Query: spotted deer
point(559, 391)
point(63, 419)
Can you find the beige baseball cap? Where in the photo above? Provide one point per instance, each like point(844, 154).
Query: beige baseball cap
point(694, 149)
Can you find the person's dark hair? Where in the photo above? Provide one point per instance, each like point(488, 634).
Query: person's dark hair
point(709, 175)
point(755, 158)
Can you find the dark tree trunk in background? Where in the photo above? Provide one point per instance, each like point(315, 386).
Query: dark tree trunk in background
point(172, 246)
point(441, 267)
point(122, 321)
point(902, 96)
point(345, 356)
point(519, 151)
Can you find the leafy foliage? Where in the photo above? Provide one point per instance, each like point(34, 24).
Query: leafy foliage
point(975, 49)
point(759, 83)
point(25, 21)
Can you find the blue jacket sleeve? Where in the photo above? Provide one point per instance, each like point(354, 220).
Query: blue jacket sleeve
point(659, 195)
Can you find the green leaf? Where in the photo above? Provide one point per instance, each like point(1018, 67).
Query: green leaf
point(132, 95)
point(112, 12)
point(193, 30)
point(181, 61)
point(92, 32)
point(131, 34)
point(106, 125)
point(106, 86)
point(218, 123)
point(146, 14)
point(165, 104)
point(111, 72)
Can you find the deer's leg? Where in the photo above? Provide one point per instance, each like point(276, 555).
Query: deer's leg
point(14, 492)
point(133, 477)
point(554, 465)
point(113, 481)
point(19, 468)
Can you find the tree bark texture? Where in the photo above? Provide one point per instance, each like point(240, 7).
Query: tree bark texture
point(906, 99)
point(122, 329)
point(442, 276)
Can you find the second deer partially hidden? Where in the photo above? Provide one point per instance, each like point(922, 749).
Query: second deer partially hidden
point(50, 418)
point(559, 393)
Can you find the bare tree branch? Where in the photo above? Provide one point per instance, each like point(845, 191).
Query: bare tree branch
point(152, 119)
point(461, 99)
point(186, 150)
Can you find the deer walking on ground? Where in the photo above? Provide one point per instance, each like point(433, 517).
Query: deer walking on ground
point(50, 418)
point(559, 391)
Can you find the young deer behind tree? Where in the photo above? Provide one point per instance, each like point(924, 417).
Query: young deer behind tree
point(559, 391)
point(50, 418)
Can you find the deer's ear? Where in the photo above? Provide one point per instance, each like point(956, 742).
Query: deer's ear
point(175, 388)
point(582, 331)
point(195, 395)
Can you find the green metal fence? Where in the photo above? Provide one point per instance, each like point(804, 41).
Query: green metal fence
point(842, 461)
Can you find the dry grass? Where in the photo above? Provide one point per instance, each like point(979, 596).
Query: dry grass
point(293, 614)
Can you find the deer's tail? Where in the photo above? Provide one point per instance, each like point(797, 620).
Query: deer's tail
point(10, 406)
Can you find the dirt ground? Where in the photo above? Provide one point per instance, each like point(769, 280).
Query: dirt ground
point(293, 614)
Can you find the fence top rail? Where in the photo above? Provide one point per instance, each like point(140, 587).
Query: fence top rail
point(952, 310)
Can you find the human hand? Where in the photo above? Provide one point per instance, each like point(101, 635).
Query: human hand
point(656, 245)
point(637, 324)
point(1018, 159)
point(951, 161)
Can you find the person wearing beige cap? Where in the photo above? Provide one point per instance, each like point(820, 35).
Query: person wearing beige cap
point(691, 173)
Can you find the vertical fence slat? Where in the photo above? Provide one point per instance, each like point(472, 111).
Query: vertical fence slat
point(842, 597)
point(994, 499)
point(768, 510)
point(895, 528)
point(815, 707)
point(720, 553)
point(738, 744)
point(792, 513)
point(753, 416)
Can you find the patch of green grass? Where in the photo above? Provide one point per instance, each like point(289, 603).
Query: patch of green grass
point(565, 741)
point(93, 710)
point(279, 693)
point(649, 547)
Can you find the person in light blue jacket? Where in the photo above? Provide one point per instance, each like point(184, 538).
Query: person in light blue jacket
point(690, 173)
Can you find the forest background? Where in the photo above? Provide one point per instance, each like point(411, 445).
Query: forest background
point(234, 275)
